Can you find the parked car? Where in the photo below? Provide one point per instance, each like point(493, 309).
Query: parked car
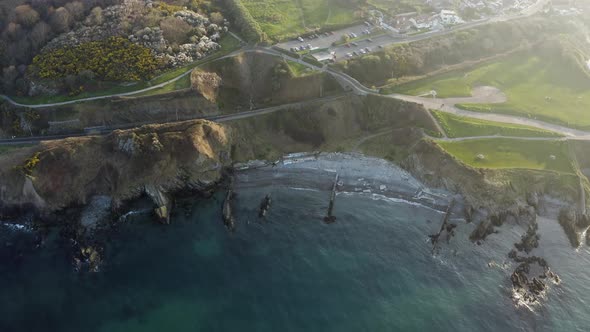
point(347, 45)
point(363, 51)
point(300, 39)
point(354, 44)
point(349, 55)
point(367, 49)
point(353, 35)
point(369, 40)
point(355, 53)
point(380, 46)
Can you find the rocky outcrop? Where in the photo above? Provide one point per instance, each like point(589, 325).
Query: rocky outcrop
point(227, 210)
point(530, 280)
point(517, 213)
point(207, 84)
point(155, 159)
point(161, 201)
point(574, 224)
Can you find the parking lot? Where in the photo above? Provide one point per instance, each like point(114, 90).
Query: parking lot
point(362, 43)
point(327, 39)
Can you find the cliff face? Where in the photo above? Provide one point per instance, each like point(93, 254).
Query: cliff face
point(491, 189)
point(152, 159)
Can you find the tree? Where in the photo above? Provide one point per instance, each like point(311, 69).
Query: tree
point(217, 18)
point(175, 30)
point(76, 10)
point(26, 15)
point(9, 76)
point(60, 20)
point(95, 17)
point(40, 35)
point(14, 31)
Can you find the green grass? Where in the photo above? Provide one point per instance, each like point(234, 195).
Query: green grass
point(284, 19)
point(460, 126)
point(8, 148)
point(446, 85)
point(511, 153)
point(536, 87)
point(298, 69)
point(228, 44)
point(181, 84)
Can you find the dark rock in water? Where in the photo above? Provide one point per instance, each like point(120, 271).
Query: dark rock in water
point(329, 218)
point(574, 224)
point(227, 212)
point(516, 214)
point(482, 230)
point(445, 226)
point(264, 206)
point(530, 239)
point(87, 259)
point(468, 212)
point(529, 279)
point(450, 228)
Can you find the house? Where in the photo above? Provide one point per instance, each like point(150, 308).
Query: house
point(324, 56)
point(449, 17)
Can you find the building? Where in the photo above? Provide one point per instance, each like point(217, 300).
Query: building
point(449, 17)
point(324, 56)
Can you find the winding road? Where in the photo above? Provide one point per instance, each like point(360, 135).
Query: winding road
point(481, 95)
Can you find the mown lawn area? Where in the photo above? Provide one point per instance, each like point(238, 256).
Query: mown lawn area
point(460, 126)
point(284, 19)
point(511, 153)
point(536, 87)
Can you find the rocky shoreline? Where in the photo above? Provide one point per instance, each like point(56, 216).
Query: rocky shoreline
point(86, 226)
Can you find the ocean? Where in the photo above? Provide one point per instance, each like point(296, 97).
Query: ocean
point(371, 270)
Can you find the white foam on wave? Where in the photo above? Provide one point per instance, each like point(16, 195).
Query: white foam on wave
point(379, 197)
point(304, 189)
point(15, 227)
point(132, 213)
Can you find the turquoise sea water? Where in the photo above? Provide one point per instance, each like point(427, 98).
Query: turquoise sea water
point(370, 271)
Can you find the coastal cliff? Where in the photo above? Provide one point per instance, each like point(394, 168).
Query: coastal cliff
point(153, 160)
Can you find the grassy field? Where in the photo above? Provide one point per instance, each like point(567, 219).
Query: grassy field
point(459, 126)
point(536, 87)
point(228, 44)
point(511, 153)
point(284, 19)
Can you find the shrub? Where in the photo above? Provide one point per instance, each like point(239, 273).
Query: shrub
point(112, 59)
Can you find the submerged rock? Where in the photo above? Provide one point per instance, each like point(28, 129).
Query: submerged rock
point(264, 206)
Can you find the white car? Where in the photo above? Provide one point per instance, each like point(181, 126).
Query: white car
point(349, 55)
point(300, 39)
point(363, 51)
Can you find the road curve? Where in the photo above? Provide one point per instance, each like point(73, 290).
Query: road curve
point(449, 107)
point(216, 118)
